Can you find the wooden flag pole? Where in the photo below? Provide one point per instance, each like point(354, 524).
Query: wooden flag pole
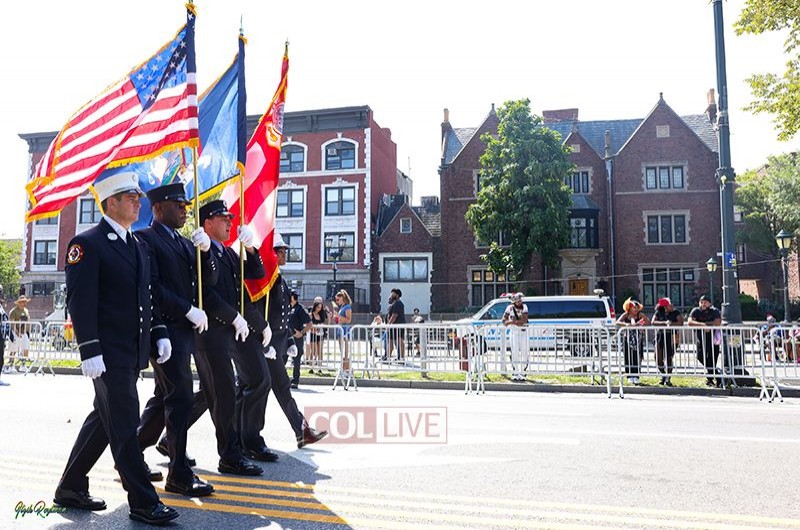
point(197, 225)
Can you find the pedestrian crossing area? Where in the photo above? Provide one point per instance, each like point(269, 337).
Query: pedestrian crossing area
point(258, 502)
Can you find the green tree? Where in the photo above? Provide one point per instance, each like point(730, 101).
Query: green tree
point(769, 201)
point(10, 260)
point(522, 191)
point(774, 94)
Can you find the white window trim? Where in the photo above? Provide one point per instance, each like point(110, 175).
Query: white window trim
point(642, 266)
point(410, 225)
point(685, 213)
point(671, 164)
point(52, 267)
point(305, 157)
point(323, 154)
point(588, 170)
point(335, 230)
point(301, 265)
point(406, 255)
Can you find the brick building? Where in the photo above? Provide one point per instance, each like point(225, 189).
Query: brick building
point(644, 217)
point(336, 165)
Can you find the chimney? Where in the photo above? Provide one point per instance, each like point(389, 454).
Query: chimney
point(446, 116)
point(711, 110)
point(560, 115)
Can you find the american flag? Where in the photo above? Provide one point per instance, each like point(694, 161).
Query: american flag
point(152, 110)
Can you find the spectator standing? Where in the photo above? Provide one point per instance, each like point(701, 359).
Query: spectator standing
point(515, 318)
point(299, 324)
point(633, 339)
point(343, 319)
point(5, 331)
point(417, 319)
point(707, 341)
point(666, 315)
point(396, 315)
point(21, 343)
point(319, 317)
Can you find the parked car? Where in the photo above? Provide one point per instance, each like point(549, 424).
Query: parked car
point(546, 316)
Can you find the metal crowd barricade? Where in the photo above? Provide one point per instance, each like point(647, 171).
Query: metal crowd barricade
point(724, 356)
point(780, 346)
point(541, 349)
point(24, 349)
point(57, 344)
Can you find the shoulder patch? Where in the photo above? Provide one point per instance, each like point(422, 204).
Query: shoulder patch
point(74, 254)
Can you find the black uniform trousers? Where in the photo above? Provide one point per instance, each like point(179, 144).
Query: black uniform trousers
point(218, 386)
point(170, 406)
point(113, 421)
point(253, 383)
point(282, 390)
point(298, 359)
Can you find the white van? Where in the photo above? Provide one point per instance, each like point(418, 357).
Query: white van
point(545, 314)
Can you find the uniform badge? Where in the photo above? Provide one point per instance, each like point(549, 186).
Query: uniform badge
point(112, 236)
point(74, 254)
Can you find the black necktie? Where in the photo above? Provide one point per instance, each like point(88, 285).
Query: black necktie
point(131, 243)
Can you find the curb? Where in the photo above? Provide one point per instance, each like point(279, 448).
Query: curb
point(519, 387)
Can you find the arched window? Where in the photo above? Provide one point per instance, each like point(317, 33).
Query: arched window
point(293, 158)
point(340, 155)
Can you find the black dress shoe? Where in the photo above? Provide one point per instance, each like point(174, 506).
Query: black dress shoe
point(293, 385)
point(155, 514)
point(262, 454)
point(161, 447)
point(78, 499)
point(242, 467)
point(196, 487)
point(310, 436)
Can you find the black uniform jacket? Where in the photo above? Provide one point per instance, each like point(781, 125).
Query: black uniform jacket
point(109, 299)
point(173, 272)
point(222, 298)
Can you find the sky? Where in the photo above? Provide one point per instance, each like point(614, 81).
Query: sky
point(406, 60)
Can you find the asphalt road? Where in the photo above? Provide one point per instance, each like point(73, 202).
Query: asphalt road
point(504, 460)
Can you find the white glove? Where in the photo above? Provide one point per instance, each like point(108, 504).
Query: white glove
point(201, 240)
point(93, 366)
point(272, 354)
point(292, 351)
point(164, 347)
point(198, 318)
point(246, 236)
point(242, 331)
point(266, 336)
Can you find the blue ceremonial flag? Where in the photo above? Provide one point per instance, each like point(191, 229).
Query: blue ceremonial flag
point(223, 139)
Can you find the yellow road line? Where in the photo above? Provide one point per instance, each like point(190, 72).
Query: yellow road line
point(247, 499)
point(246, 510)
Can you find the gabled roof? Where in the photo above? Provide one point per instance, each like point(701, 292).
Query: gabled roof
point(431, 219)
point(454, 142)
point(594, 132)
point(391, 205)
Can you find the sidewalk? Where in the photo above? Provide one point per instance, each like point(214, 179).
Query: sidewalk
point(516, 386)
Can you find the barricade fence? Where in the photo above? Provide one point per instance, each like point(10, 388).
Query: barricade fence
point(722, 356)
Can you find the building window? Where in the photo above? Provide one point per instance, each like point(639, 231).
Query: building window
point(295, 253)
point(741, 253)
point(583, 232)
point(503, 239)
point(342, 242)
point(485, 286)
point(43, 288)
point(737, 214)
point(405, 225)
point(578, 182)
point(664, 177)
point(476, 178)
point(340, 201)
point(677, 283)
point(89, 212)
point(44, 252)
point(405, 270)
point(48, 221)
point(340, 155)
point(666, 229)
point(290, 203)
point(293, 159)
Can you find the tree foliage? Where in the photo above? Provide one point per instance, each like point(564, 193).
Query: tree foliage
point(522, 191)
point(10, 260)
point(769, 200)
point(775, 94)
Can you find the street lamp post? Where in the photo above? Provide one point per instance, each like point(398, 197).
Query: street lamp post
point(731, 310)
point(711, 267)
point(335, 253)
point(784, 240)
